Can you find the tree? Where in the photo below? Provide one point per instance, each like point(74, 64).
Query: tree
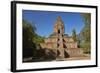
point(85, 34)
point(86, 18)
point(86, 31)
point(31, 41)
point(28, 34)
point(38, 39)
point(74, 36)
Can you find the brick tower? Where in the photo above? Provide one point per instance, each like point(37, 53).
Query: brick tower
point(62, 45)
point(59, 31)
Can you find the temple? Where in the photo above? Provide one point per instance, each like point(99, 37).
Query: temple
point(63, 45)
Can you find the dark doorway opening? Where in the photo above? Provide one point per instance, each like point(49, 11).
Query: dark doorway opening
point(66, 54)
point(59, 31)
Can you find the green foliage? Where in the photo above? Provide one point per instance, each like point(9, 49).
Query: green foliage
point(30, 39)
point(85, 34)
point(86, 47)
point(28, 34)
point(86, 18)
point(38, 39)
point(74, 36)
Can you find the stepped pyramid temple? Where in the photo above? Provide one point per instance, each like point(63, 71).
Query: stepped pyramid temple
point(62, 44)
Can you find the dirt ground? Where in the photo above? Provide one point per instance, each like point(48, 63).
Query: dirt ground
point(83, 57)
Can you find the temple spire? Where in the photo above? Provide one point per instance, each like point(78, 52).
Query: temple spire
point(59, 26)
point(59, 18)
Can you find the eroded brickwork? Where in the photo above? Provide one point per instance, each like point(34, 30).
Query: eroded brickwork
point(61, 42)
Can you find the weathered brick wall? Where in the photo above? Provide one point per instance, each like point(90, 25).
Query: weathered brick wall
point(74, 52)
point(63, 44)
point(71, 45)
